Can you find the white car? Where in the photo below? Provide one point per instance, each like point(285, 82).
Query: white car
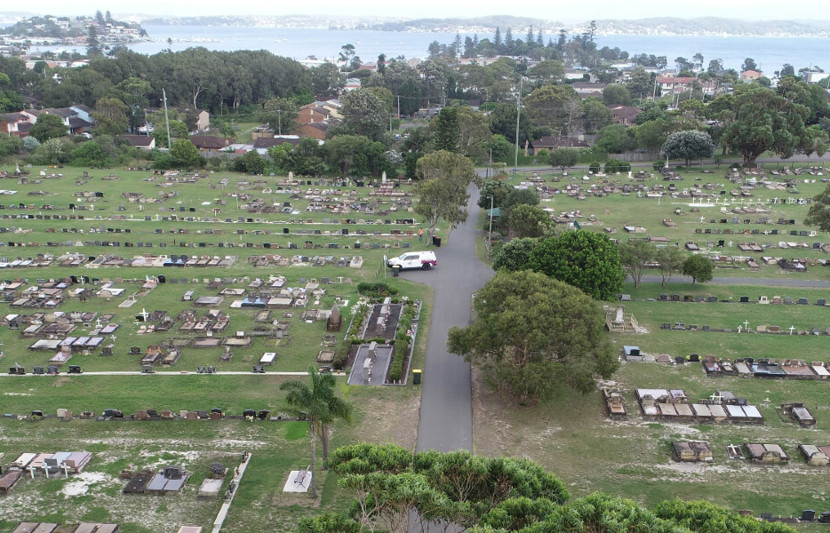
point(422, 260)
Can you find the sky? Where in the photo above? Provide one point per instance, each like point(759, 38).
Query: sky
point(555, 11)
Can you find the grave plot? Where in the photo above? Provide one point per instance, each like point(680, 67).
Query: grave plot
point(371, 364)
point(692, 451)
point(383, 320)
point(766, 453)
point(796, 412)
point(614, 404)
point(815, 455)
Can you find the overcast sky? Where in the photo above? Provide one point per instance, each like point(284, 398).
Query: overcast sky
point(564, 11)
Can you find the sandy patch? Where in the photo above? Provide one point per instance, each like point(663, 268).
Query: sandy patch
point(80, 484)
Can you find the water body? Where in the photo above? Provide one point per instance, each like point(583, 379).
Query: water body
point(770, 53)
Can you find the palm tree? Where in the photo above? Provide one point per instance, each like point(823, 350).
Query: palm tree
point(320, 407)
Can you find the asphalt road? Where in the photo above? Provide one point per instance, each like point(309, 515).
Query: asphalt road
point(446, 422)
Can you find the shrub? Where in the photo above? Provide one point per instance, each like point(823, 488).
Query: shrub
point(341, 355)
point(375, 290)
point(398, 357)
point(658, 165)
point(594, 167)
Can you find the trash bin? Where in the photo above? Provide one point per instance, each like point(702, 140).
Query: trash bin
point(396, 271)
point(436, 241)
point(416, 376)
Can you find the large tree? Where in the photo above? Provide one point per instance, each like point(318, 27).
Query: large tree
point(110, 117)
point(669, 261)
point(688, 145)
point(765, 121)
point(699, 268)
point(635, 256)
point(552, 106)
point(563, 158)
point(584, 259)
point(442, 191)
point(514, 254)
point(319, 406)
point(47, 127)
point(364, 113)
point(532, 334)
point(185, 154)
point(280, 114)
point(529, 221)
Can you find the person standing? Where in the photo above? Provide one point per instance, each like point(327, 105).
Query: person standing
point(420, 234)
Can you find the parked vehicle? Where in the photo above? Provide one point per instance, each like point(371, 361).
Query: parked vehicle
point(422, 260)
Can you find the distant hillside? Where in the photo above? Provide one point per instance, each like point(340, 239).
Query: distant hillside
point(519, 25)
point(713, 26)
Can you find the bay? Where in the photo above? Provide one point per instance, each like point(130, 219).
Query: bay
point(770, 53)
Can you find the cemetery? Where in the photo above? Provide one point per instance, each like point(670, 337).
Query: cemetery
point(245, 271)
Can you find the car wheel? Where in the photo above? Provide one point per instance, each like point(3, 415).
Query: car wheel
point(426, 266)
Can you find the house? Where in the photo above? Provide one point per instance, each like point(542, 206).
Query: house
point(675, 84)
point(586, 89)
point(208, 143)
point(17, 123)
point(202, 120)
point(352, 84)
point(73, 118)
point(316, 130)
point(313, 113)
point(750, 75)
point(814, 76)
point(576, 74)
point(625, 115)
point(143, 142)
point(262, 144)
point(550, 142)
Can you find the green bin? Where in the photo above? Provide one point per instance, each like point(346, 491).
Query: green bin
point(416, 376)
point(396, 271)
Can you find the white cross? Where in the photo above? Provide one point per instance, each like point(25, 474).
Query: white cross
point(144, 314)
point(746, 325)
point(792, 328)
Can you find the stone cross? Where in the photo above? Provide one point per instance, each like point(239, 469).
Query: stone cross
point(792, 328)
point(746, 325)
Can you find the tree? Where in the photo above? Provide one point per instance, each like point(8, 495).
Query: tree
point(280, 114)
point(89, 154)
point(319, 406)
point(670, 260)
point(688, 145)
point(765, 121)
point(185, 154)
point(819, 213)
point(520, 197)
point(635, 256)
point(110, 117)
point(748, 64)
point(584, 259)
point(446, 129)
point(549, 70)
point(652, 134)
point(640, 83)
point(549, 106)
point(514, 255)
point(48, 126)
point(442, 192)
point(327, 81)
point(93, 45)
point(529, 221)
point(595, 115)
point(364, 113)
point(615, 139)
point(787, 70)
point(699, 268)
point(10, 145)
point(616, 94)
point(563, 158)
point(250, 163)
point(533, 333)
point(495, 189)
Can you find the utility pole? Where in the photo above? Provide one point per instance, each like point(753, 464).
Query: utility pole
point(518, 116)
point(490, 232)
point(399, 107)
point(167, 120)
point(279, 121)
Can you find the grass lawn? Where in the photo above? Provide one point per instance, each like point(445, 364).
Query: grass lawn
point(612, 212)
point(182, 220)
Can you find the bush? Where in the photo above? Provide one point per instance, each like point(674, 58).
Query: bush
point(341, 355)
point(594, 167)
point(398, 357)
point(658, 165)
point(357, 321)
point(375, 290)
point(612, 166)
